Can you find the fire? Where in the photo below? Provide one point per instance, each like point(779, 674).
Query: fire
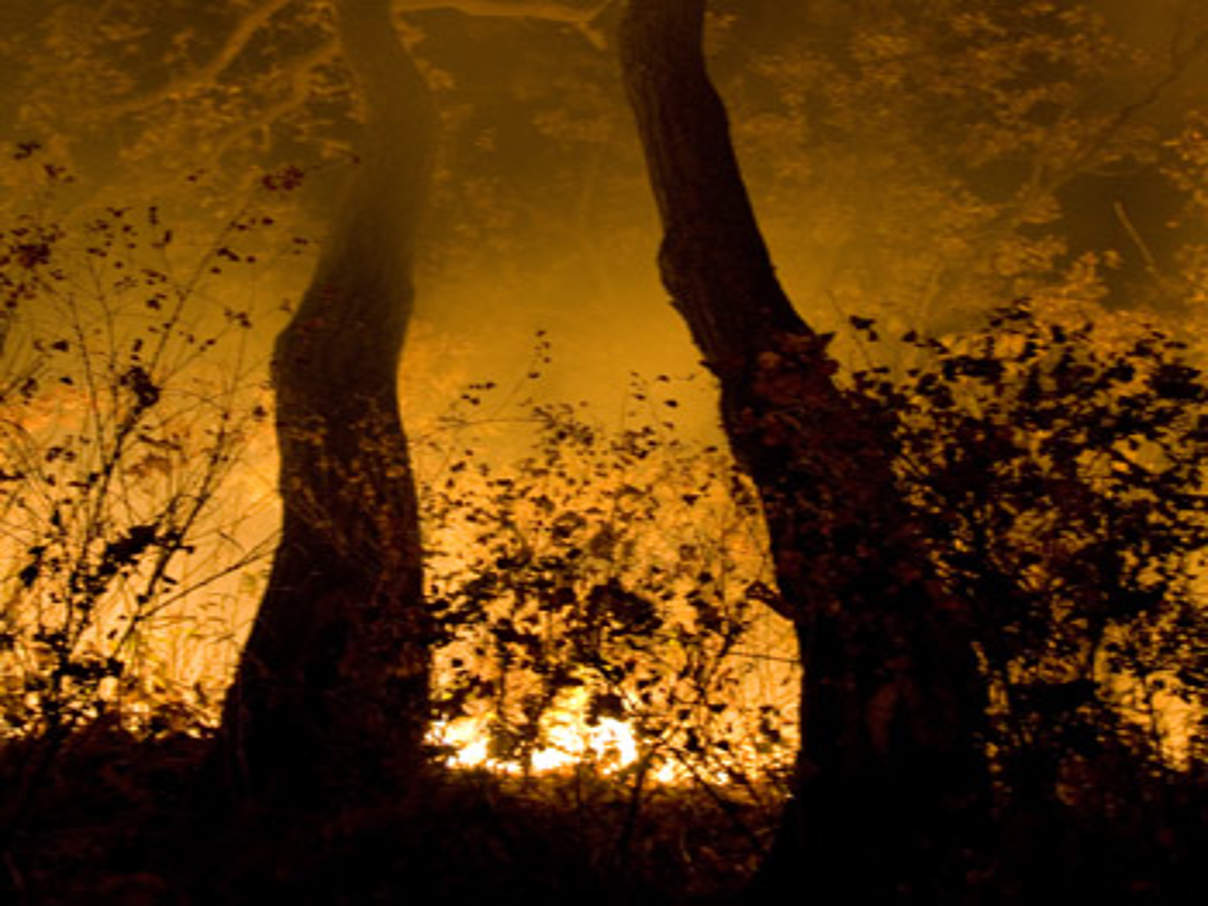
point(567, 739)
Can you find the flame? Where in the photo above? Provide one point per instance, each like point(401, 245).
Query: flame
point(568, 739)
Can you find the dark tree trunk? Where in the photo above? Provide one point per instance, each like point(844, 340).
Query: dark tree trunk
point(331, 695)
point(892, 705)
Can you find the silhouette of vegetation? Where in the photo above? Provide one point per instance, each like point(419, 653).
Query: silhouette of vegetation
point(894, 792)
point(1057, 465)
point(1048, 467)
point(126, 405)
point(1054, 461)
point(603, 604)
point(1054, 464)
point(330, 698)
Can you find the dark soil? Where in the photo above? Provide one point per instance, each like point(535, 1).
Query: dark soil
point(117, 820)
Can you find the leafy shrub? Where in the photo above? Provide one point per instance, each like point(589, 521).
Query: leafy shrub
point(608, 577)
point(125, 402)
point(1055, 460)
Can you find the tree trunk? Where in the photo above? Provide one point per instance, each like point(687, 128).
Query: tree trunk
point(892, 705)
point(331, 695)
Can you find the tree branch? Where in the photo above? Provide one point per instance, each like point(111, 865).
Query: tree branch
point(202, 76)
point(582, 19)
point(298, 93)
point(548, 10)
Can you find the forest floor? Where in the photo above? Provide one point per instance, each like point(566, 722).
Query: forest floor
point(117, 821)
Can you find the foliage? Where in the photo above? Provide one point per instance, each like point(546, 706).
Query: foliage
point(951, 158)
point(608, 576)
point(125, 404)
point(1055, 463)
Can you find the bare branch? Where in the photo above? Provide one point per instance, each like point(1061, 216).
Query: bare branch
point(202, 76)
point(1151, 263)
point(1047, 177)
point(299, 73)
point(1180, 61)
point(548, 10)
point(583, 19)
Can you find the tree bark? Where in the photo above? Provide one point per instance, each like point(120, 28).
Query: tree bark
point(892, 704)
point(331, 695)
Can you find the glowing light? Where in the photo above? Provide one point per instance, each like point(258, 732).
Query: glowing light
point(610, 746)
point(567, 740)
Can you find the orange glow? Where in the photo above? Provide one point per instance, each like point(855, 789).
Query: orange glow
point(569, 741)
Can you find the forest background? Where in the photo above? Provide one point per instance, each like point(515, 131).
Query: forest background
point(909, 163)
